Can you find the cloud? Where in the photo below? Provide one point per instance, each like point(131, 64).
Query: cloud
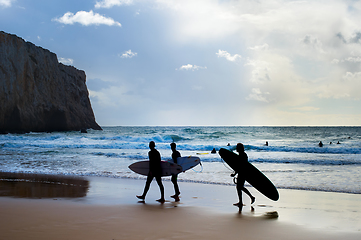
point(96, 84)
point(355, 37)
point(66, 61)
point(341, 37)
point(263, 47)
point(352, 76)
point(86, 19)
point(6, 3)
point(307, 109)
point(313, 42)
point(261, 70)
point(354, 59)
point(228, 56)
point(347, 87)
point(112, 3)
point(257, 95)
point(128, 54)
point(199, 21)
point(190, 67)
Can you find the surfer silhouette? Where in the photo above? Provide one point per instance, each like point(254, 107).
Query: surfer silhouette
point(175, 155)
point(155, 171)
point(240, 179)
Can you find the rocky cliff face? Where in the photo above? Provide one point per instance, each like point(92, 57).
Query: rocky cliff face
point(37, 93)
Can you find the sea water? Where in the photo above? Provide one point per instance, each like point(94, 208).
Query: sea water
point(293, 159)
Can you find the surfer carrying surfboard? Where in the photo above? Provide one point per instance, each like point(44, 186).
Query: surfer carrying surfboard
point(240, 179)
point(175, 155)
point(155, 171)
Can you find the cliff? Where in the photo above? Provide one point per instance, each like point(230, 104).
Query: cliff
point(37, 93)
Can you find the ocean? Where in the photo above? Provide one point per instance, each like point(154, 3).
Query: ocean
point(292, 159)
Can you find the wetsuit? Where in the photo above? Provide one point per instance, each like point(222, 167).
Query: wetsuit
point(154, 163)
point(155, 171)
point(175, 155)
point(240, 178)
point(243, 158)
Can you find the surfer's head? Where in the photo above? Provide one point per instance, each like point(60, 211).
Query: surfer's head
point(173, 146)
point(240, 147)
point(151, 144)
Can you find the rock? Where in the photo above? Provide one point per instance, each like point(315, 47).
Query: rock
point(39, 94)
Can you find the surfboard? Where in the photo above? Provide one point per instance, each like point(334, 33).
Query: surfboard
point(168, 168)
point(187, 162)
point(252, 175)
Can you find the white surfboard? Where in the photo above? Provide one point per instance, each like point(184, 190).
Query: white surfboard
point(168, 168)
point(187, 162)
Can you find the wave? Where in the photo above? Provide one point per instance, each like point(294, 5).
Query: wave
point(328, 150)
point(308, 162)
point(122, 155)
point(324, 162)
point(142, 139)
point(163, 143)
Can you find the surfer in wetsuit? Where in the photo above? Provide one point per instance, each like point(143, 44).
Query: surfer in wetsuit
point(175, 155)
point(155, 171)
point(240, 179)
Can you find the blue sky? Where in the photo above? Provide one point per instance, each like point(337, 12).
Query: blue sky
point(205, 62)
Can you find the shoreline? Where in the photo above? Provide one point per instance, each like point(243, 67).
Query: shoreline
point(167, 179)
point(110, 210)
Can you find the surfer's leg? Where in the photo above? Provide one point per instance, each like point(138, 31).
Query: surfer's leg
point(239, 187)
point(240, 203)
point(176, 188)
point(253, 199)
point(146, 187)
point(161, 187)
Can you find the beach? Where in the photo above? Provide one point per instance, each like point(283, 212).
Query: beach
point(40, 209)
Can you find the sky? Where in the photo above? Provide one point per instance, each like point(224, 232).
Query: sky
point(205, 62)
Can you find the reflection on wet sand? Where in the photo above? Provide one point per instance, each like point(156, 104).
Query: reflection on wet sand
point(42, 186)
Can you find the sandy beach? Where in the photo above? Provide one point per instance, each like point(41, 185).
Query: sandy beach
point(57, 208)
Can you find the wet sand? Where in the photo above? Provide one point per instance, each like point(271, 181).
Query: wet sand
point(110, 210)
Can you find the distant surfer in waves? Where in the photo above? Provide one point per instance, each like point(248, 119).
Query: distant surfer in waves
point(155, 171)
point(240, 179)
point(175, 155)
